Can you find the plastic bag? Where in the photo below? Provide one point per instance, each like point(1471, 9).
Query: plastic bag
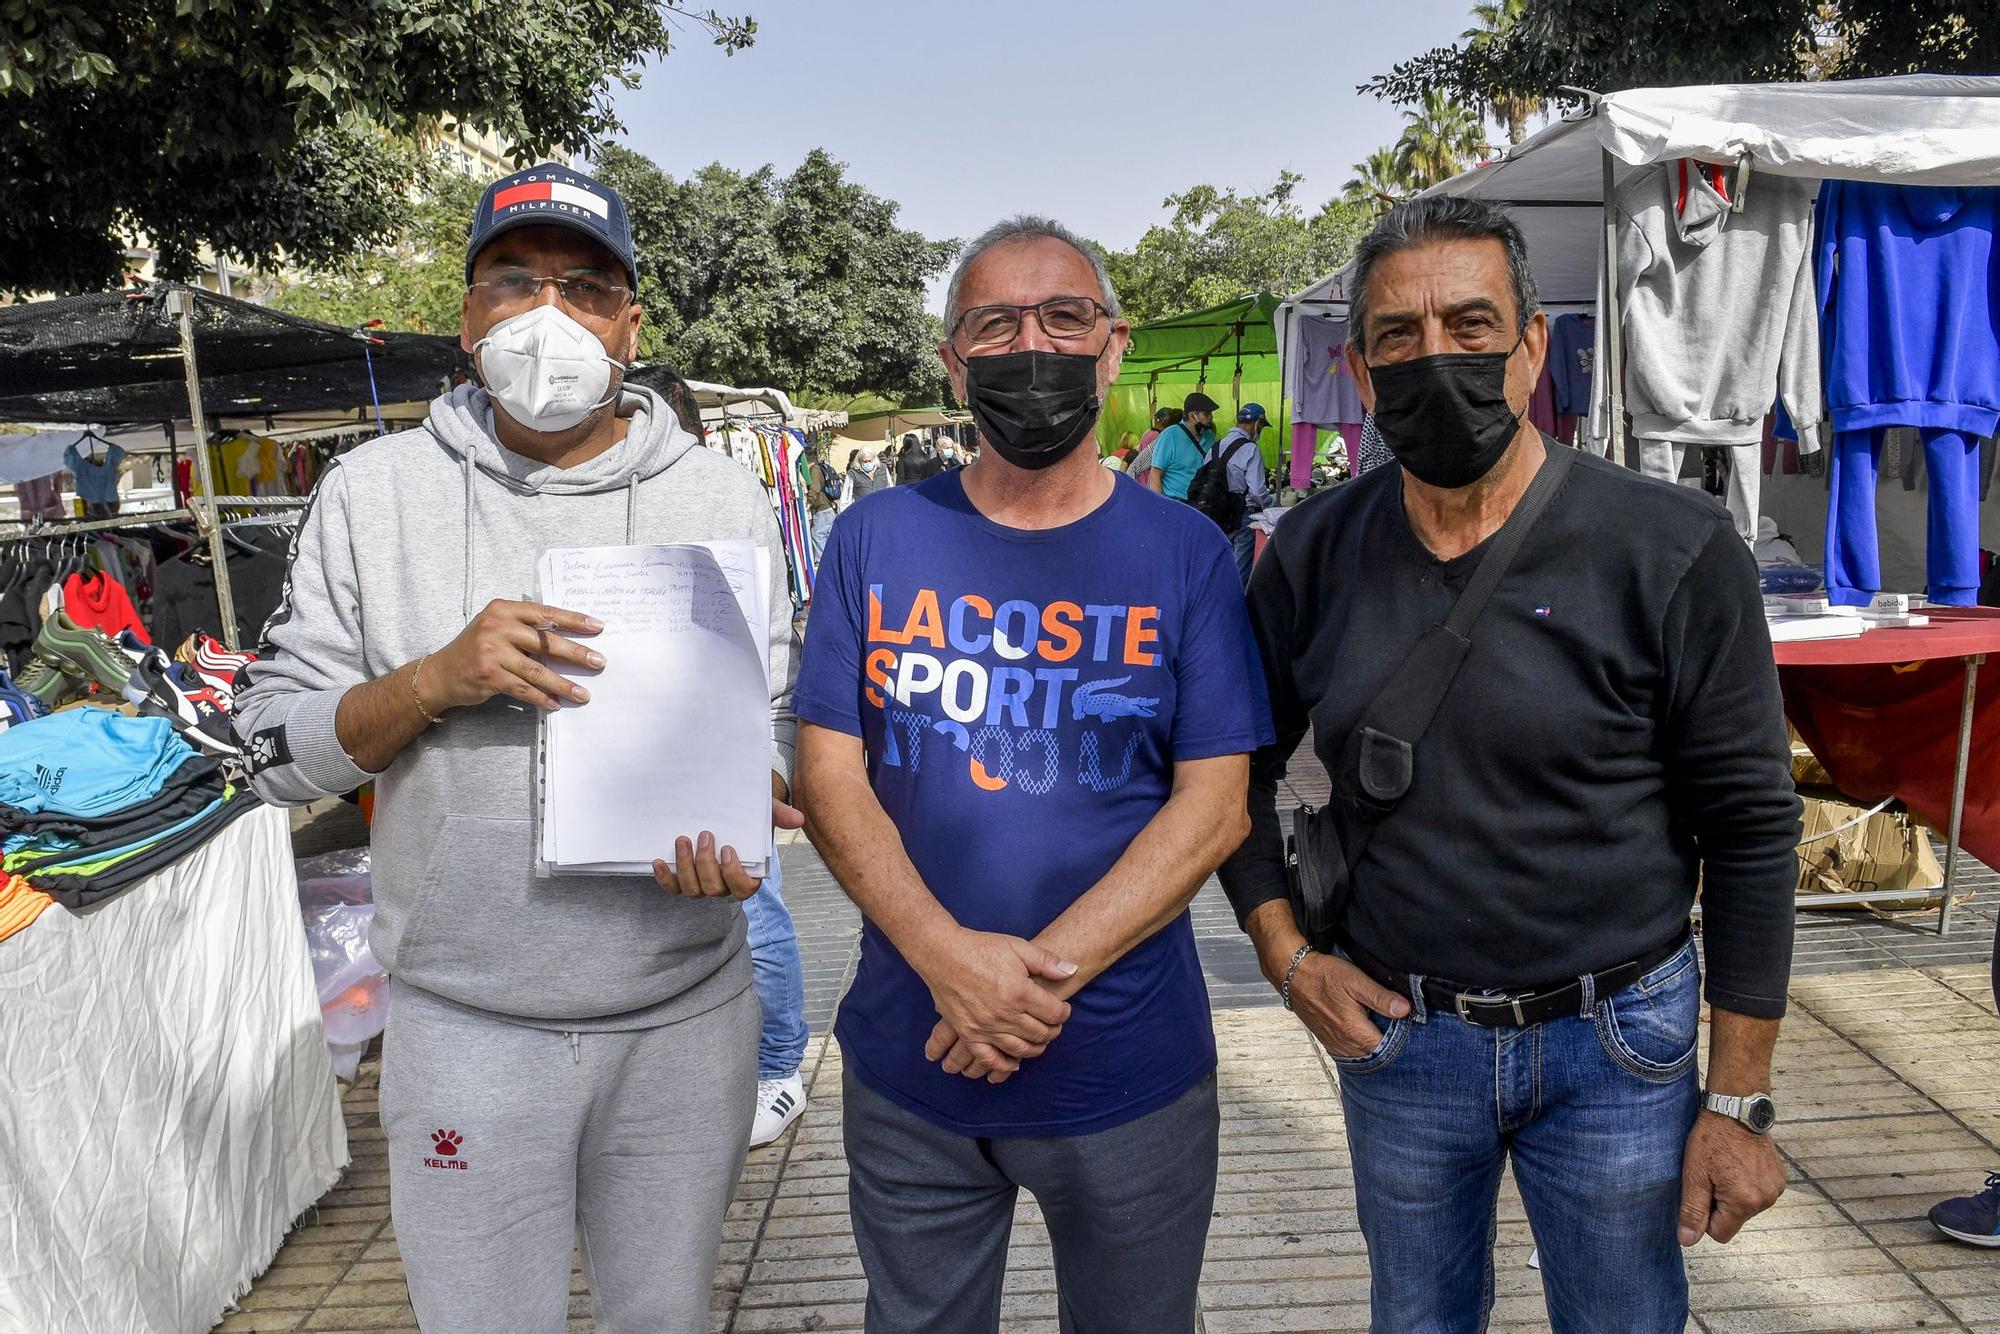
point(1781, 579)
point(337, 900)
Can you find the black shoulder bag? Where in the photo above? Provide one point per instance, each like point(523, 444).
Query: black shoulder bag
point(1379, 759)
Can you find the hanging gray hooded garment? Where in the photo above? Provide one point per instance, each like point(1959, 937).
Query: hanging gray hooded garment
point(1718, 307)
point(406, 538)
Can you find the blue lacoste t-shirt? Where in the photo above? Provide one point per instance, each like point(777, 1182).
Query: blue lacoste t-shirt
point(1023, 697)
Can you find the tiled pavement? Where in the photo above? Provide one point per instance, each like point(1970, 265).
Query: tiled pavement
point(1888, 1075)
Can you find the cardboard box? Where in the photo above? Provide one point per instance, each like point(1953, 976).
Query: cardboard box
point(1887, 850)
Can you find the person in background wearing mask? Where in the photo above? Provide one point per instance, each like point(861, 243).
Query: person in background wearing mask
point(567, 1058)
point(1514, 977)
point(1181, 449)
point(1024, 753)
point(866, 474)
point(1247, 477)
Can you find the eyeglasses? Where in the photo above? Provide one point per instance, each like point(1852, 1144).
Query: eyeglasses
point(1063, 318)
point(511, 291)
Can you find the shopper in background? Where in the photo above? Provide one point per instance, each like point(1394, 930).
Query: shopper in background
point(1028, 1011)
point(568, 1059)
point(866, 474)
point(1246, 476)
point(824, 486)
point(1141, 469)
point(1511, 975)
point(918, 462)
point(1181, 449)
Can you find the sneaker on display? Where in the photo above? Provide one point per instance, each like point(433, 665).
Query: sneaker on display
point(216, 664)
point(134, 647)
point(83, 653)
point(48, 684)
point(201, 715)
point(779, 1103)
point(1974, 1219)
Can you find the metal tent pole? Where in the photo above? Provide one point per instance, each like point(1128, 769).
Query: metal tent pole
point(1614, 332)
point(180, 303)
point(1972, 665)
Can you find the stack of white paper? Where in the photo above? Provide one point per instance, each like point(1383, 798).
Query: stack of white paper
point(676, 738)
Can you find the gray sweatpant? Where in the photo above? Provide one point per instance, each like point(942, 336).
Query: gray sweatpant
point(509, 1144)
point(1127, 1210)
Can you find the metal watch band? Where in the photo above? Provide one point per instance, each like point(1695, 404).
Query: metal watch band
point(1737, 1108)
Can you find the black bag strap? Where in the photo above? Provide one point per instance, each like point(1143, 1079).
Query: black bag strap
point(1230, 453)
point(1379, 760)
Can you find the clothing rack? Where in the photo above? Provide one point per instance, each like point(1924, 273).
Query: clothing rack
point(146, 519)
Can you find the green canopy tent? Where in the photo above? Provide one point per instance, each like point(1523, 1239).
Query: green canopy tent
point(1229, 352)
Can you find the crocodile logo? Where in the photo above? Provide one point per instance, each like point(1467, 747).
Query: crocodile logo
point(1091, 701)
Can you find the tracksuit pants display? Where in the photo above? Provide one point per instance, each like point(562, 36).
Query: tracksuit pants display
point(1853, 560)
point(1664, 459)
point(509, 1145)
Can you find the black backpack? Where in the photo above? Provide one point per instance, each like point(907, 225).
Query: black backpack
point(1209, 491)
point(831, 483)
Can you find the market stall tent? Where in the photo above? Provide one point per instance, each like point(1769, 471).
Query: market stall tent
point(1229, 352)
point(1917, 129)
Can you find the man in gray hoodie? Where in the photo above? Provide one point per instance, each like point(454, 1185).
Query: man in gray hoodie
point(567, 1058)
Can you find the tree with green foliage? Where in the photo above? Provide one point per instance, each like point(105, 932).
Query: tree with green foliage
point(1609, 45)
point(1441, 138)
point(1378, 182)
point(269, 131)
point(413, 285)
point(1493, 20)
point(1220, 244)
point(803, 281)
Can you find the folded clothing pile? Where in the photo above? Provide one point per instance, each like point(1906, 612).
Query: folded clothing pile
point(92, 801)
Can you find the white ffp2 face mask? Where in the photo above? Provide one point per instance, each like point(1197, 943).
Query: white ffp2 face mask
point(545, 369)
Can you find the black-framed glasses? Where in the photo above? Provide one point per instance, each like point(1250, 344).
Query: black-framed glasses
point(511, 291)
point(1062, 318)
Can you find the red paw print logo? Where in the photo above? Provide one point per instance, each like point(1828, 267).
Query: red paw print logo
point(447, 1142)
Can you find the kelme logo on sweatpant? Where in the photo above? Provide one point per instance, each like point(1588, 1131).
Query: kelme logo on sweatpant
point(447, 1144)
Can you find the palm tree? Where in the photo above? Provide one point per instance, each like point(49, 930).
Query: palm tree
point(1377, 182)
point(1496, 19)
point(1440, 139)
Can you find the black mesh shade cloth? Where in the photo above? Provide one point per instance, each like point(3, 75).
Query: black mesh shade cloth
point(116, 357)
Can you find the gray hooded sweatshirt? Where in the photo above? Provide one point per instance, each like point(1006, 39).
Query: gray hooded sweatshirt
point(1718, 308)
point(406, 538)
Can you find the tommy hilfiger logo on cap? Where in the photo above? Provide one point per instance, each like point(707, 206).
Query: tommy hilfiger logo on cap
point(548, 194)
point(551, 195)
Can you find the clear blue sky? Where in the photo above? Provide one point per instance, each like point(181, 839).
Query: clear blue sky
point(1091, 110)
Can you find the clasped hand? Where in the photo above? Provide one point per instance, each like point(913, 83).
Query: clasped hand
point(997, 1001)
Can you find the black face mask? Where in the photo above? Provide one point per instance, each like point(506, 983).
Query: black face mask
point(1446, 417)
point(1033, 407)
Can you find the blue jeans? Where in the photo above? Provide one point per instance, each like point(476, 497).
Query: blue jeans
point(779, 977)
point(1595, 1111)
point(822, 528)
point(1243, 542)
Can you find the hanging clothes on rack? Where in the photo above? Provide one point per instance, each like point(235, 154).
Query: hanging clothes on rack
point(97, 601)
point(96, 464)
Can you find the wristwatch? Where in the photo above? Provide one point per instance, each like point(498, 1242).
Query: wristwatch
point(1755, 1113)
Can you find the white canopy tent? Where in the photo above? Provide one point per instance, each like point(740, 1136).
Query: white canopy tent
point(1917, 129)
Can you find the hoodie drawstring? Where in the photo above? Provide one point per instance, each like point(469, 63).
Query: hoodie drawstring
point(575, 1049)
point(465, 608)
point(632, 508)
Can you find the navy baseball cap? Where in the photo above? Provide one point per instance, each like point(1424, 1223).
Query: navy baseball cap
point(1251, 412)
point(553, 196)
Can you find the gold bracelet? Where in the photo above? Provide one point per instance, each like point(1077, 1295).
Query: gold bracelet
point(417, 694)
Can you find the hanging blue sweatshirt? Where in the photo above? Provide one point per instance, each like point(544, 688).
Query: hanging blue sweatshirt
point(1909, 289)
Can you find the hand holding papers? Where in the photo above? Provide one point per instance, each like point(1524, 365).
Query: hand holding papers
point(676, 739)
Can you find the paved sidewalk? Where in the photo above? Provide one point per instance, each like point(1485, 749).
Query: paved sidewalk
point(1888, 1075)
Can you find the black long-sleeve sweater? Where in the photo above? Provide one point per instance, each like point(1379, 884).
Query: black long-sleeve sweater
point(1614, 737)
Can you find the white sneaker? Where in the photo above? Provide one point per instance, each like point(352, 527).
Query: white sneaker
point(779, 1103)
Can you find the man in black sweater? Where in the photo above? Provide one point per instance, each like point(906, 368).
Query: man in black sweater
point(1513, 972)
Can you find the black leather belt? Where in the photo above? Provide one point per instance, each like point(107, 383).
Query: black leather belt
point(1518, 1009)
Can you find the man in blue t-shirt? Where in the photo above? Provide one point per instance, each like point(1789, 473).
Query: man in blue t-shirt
point(1181, 449)
point(1022, 753)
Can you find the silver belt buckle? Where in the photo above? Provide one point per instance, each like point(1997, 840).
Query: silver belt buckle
point(1466, 998)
